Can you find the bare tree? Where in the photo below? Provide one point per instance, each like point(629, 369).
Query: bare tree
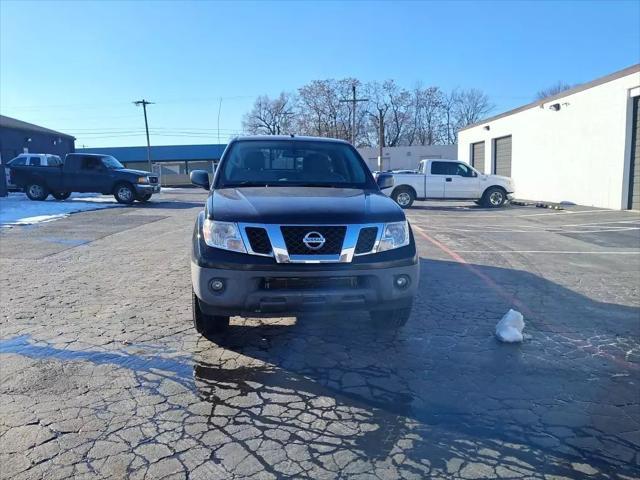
point(472, 105)
point(426, 124)
point(321, 111)
point(396, 106)
point(450, 122)
point(422, 116)
point(554, 89)
point(270, 116)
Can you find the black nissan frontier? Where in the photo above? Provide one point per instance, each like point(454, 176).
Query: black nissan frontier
point(295, 224)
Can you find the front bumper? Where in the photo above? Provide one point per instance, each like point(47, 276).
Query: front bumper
point(249, 292)
point(144, 189)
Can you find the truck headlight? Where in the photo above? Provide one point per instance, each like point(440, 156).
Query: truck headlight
point(395, 235)
point(143, 180)
point(225, 235)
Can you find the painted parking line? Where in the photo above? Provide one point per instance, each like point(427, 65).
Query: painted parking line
point(512, 300)
point(480, 214)
point(558, 229)
point(561, 252)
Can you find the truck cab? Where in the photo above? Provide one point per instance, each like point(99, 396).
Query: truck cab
point(442, 179)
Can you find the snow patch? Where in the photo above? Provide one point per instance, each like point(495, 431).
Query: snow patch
point(17, 209)
point(509, 328)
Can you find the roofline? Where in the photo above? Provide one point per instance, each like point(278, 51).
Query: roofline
point(32, 127)
point(579, 88)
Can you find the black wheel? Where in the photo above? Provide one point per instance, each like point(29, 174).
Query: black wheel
point(391, 318)
point(61, 195)
point(494, 197)
point(124, 193)
point(403, 197)
point(36, 191)
point(206, 324)
point(143, 198)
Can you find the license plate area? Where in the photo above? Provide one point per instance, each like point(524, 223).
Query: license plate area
point(310, 283)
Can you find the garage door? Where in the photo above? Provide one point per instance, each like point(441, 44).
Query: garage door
point(634, 172)
point(502, 156)
point(477, 156)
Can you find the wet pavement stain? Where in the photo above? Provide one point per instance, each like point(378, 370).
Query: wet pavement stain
point(179, 370)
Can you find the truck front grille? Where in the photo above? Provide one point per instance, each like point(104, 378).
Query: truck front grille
point(153, 180)
point(294, 239)
point(258, 240)
point(366, 239)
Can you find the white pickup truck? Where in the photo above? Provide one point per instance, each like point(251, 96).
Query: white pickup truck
point(450, 180)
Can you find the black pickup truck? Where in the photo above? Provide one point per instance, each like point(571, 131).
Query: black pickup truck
point(82, 172)
point(295, 224)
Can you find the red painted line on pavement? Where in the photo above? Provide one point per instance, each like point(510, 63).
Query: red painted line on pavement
point(517, 303)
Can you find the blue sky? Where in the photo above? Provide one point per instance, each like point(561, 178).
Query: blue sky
point(77, 66)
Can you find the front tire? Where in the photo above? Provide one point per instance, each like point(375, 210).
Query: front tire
point(404, 197)
point(206, 324)
point(494, 197)
point(61, 195)
point(391, 319)
point(124, 193)
point(36, 191)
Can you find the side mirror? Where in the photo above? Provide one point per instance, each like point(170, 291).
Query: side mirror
point(384, 180)
point(200, 178)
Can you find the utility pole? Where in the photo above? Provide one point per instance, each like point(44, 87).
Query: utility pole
point(144, 104)
point(354, 100)
point(219, 110)
point(380, 137)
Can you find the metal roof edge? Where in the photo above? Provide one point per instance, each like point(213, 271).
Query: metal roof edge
point(579, 88)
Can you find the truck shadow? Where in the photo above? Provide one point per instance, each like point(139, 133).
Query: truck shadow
point(443, 391)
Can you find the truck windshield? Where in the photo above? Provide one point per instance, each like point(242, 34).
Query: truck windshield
point(293, 163)
point(111, 163)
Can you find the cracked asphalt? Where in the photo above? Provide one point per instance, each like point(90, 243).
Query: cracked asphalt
point(103, 376)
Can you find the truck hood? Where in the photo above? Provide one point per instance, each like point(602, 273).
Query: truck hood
point(134, 172)
point(302, 205)
point(499, 178)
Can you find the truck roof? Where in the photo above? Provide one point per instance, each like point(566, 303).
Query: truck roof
point(295, 138)
point(440, 160)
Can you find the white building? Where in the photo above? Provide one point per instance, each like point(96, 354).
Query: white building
point(398, 158)
point(581, 146)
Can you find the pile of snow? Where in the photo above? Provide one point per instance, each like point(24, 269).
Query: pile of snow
point(509, 328)
point(17, 209)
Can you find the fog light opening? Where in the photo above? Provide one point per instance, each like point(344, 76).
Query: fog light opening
point(402, 281)
point(216, 285)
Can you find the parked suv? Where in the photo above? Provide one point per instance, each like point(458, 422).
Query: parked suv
point(296, 224)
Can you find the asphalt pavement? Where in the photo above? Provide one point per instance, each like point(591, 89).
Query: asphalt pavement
point(103, 376)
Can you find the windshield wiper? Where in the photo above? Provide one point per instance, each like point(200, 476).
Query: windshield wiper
point(245, 183)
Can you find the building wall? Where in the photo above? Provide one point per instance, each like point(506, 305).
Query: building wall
point(578, 154)
point(14, 141)
point(396, 158)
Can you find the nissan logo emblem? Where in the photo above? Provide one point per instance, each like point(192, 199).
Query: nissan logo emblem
point(313, 240)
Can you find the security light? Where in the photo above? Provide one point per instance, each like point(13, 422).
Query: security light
point(555, 107)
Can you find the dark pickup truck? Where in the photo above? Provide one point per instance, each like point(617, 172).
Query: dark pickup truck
point(295, 224)
point(85, 173)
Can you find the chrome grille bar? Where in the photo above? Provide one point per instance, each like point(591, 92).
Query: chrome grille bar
point(279, 248)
